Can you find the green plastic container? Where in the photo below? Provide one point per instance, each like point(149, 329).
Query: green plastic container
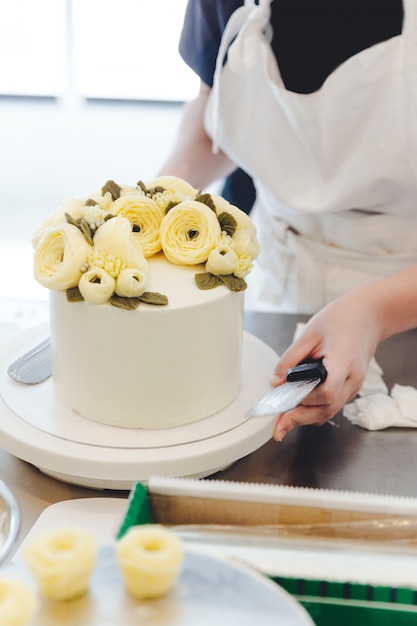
point(328, 603)
point(339, 604)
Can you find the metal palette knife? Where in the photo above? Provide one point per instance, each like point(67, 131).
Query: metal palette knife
point(301, 380)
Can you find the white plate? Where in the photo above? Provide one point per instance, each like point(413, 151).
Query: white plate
point(208, 591)
point(37, 428)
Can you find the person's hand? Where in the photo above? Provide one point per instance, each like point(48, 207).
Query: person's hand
point(344, 335)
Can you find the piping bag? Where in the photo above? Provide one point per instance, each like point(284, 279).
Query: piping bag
point(301, 380)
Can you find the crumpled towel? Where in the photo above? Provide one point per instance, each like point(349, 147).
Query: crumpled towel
point(376, 408)
point(382, 410)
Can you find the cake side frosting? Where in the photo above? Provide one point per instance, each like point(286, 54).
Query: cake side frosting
point(154, 367)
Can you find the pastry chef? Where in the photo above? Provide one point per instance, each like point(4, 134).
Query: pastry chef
point(317, 101)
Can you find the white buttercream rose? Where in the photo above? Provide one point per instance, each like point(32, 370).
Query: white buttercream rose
point(96, 285)
point(222, 261)
point(174, 191)
point(145, 217)
point(131, 283)
point(173, 184)
point(103, 201)
point(189, 232)
point(243, 220)
point(115, 239)
point(59, 256)
point(75, 208)
point(244, 266)
point(128, 190)
point(246, 243)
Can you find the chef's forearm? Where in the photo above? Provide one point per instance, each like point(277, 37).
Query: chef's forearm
point(394, 301)
point(192, 157)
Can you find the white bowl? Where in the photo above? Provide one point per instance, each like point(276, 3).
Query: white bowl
point(9, 521)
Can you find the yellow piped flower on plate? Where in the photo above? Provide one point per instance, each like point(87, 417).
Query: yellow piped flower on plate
point(18, 602)
point(150, 558)
point(189, 232)
point(62, 561)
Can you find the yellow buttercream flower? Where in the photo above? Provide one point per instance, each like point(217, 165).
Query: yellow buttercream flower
point(59, 255)
point(131, 283)
point(167, 199)
point(189, 232)
point(145, 217)
point(174, 185)
point(115, 242)
point(96, 285)
point(74, 206)
point(222, 260)
point(244, 266)
point(223, 206)
point(246, 243)
point(62, 561)
point(17, 602)
point(150, 558)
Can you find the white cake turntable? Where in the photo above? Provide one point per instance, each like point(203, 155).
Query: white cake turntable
point(37, 428)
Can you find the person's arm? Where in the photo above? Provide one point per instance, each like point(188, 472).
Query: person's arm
point(192, 157)
point(345, 335)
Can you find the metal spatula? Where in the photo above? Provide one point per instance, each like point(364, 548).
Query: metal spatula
point(301, 380)
point(34, 366)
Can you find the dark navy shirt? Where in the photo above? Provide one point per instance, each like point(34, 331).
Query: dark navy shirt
point(310, 37)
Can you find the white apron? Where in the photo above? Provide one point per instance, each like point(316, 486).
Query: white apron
point(335, 170)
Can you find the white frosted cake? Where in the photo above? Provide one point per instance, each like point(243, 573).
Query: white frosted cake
point(146, 302)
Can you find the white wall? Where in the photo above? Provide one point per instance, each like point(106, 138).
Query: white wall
point(66, 145)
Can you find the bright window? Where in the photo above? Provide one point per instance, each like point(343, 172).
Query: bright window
point(121, 49)
point(33, 47)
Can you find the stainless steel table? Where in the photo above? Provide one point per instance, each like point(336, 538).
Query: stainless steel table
point(336, 455)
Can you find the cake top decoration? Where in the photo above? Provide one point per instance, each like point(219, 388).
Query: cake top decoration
point(96, 247)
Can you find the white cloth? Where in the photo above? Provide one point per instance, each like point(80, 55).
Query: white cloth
point(378, 411)
point(335, 170)
point(376, 408)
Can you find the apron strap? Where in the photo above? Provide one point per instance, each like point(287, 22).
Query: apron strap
point(243, 30)
point(410, 16)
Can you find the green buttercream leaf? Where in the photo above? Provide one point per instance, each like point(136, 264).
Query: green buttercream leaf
point(153, 297)
point(142, 185)
point(71, 220)
point(86, 230)
point(206, 199)
point(74, 294)
point(113, 188)
point(91, 202)
point(233, 282)
point(124, 303)
point(170, 206)
point(205, 280)
point(227, 223)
